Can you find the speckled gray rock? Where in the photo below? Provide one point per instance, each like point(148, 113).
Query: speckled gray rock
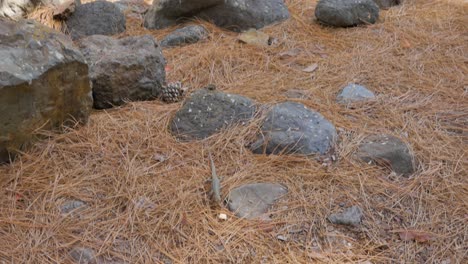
point(83, 255)
point(206, 112)
point(43, 83)
point(253, 200)
point(347, 13)
point(354, 93)
point(127, 69)
point(387, 3)
point(96, 18)
point(350, 216)
point(186, 35)
point(292, 128)
point(236, 15)
point(388, 151)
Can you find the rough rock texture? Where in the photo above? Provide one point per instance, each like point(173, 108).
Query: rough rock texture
point(207, 112)
point(128, 69)
point(18, 8)
point(389, 151)
point(43, 82)
point(96, 18)
point(253, 200)
point(236, 15)
point(387, 3)
point(292, 128)
point(350, 216)
point(347, 13)
point(186, 35)
point(354, 93)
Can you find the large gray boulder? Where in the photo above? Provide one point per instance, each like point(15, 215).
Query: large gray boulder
point(207, 112)
point(236, 15)
point(388, 151)
point(96, 18)
point(127, 69)
point(43, 83)
point(292, 128)
point(347, 13)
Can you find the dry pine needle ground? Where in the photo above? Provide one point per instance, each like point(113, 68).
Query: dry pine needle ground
point(414, 58)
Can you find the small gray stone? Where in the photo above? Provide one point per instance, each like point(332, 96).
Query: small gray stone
point(72, 205)
point(206, 112)
point(350, 216)
point(347, 13)
point(387, 150)
point(186, 35)
point(354, 93)
point(292, 128)
point(253, 200)
point(127, 69)
point(96, 18)
point(83, 255)
point(237, 15)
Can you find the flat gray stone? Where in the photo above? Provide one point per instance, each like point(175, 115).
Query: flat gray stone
point(347, 13)
point(207, 112)
point(186, 35)
point(254, 200)
point(350, 216)
point(354, 93)
point(292, 128)
point(389, 151)
point(44, 83)
point(96, 18)
point(236, 15)
point(127, 69)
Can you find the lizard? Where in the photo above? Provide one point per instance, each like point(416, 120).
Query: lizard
point(215, 182)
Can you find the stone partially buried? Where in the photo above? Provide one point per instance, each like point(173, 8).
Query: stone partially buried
point(186, 35)
point(347, 13)
point(207, 112)
point(252, 201)
point(43, 83)
point(387, 150)
point(354, 93)
point(292, 128)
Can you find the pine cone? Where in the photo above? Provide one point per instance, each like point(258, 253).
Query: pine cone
point(172, 92)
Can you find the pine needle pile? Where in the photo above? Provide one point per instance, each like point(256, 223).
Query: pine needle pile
point(146, 194)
